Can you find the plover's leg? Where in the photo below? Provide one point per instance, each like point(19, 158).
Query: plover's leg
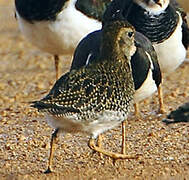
point(56, 61)
point(137, 111)
point(52, 144)
point(99, 144)
point(160, 97)
point(108, 153)
point(123, 150)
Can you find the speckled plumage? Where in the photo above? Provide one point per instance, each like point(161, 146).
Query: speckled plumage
point(89, 91)
point(104, 87)
point(143, 62)
point(95, 98)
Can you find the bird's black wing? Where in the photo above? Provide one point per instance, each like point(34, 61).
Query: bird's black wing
point(142, 59)
point(87, 50)
point(33, 10)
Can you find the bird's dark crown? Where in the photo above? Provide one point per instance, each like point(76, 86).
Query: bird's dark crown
point(117, 36)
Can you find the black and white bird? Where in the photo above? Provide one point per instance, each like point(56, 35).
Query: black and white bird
point(57, 26)
point(181, 114)
point(98, 97)
point(163, 23)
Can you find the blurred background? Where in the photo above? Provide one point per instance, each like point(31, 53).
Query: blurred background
point(184, 4)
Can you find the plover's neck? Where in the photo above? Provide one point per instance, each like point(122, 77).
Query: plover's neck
point(112, 52)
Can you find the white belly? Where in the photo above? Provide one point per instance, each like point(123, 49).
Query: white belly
point(146, 90)
point(102, 122)
point(171, 53)
point(60, 36)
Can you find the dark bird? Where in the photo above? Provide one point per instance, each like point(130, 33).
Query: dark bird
point(181, 114)
point(145, 68)
point(57, 26)
point(98, 97)
point(163, 23)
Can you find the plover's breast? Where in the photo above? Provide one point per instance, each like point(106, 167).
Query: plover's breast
point(95, 125)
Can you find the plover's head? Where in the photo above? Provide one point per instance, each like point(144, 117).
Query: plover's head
point(119, 36)
point(153, 6)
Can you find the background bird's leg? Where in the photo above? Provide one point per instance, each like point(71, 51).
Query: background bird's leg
point(123, 151)
point(160, 97)
point(108, 153)
point(52, 144)
point(99, 144)
point(56, 61)
point(137, 111)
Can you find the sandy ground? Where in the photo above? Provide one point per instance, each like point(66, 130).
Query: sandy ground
point(26, 74)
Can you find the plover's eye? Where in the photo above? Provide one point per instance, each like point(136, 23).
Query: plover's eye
point(130, 34)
